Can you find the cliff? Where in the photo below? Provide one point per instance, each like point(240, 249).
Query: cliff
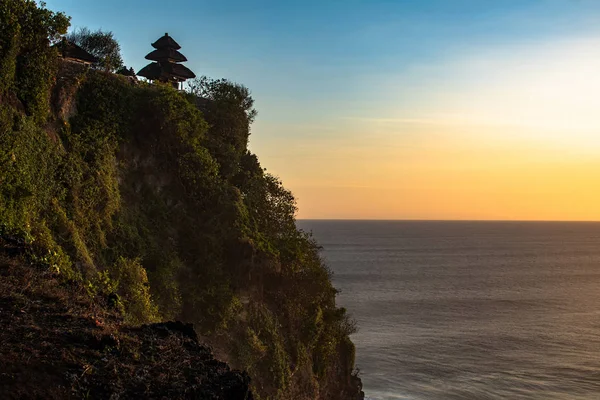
point(147, 199)
point(58, 342)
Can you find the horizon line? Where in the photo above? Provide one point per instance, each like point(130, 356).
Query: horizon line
point(446, 220)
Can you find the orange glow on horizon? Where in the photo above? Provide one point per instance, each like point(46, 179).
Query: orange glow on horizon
point(514, 139)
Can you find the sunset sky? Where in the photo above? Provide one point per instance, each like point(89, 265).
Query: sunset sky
point(430, 109)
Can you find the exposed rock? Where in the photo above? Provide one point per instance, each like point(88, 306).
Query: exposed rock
point(57, 343)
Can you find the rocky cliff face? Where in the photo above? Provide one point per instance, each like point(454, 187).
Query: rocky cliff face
point(57, 342)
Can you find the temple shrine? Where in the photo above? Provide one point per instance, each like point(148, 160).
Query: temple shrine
point(166, 66)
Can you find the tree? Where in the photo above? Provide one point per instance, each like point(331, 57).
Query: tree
point(229, 109)
point(27, 63)
point(225, 91)
point(100, 44)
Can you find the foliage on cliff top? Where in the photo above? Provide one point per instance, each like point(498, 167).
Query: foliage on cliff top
point(27, 63)
point(101, 45)
point(152, 199)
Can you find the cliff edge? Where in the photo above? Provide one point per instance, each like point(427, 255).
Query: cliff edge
point(148, 198)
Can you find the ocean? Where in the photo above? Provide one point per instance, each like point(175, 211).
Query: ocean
point(470, 310)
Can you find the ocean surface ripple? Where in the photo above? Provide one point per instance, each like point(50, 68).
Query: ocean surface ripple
point(470, 310)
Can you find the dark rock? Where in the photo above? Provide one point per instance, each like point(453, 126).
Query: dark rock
point(112, 300)
point(167, 328)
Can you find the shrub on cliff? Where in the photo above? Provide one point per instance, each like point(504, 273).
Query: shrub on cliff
point(27, 63)
point(229, 110)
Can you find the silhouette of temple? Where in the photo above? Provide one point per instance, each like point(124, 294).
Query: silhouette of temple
point(166, 66)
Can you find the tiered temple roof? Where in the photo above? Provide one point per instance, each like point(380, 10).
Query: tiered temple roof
point(166, 67)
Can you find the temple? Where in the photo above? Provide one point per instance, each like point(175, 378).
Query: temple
point(166, 67)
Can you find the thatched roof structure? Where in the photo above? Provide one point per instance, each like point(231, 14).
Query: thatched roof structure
point(166, 67)
point(166, 72)
point(168, 54)
point(166, 42)
point(72, 52)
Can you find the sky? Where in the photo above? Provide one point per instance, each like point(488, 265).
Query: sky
point(400, 109)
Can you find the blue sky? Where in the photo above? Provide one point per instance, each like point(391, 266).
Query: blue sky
point(328, 32)
point(324, 51)
point(346, 86)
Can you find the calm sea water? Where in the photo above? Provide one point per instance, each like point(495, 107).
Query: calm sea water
point(470, 310)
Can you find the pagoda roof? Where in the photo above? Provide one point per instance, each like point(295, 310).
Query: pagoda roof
point(166, 53)
point(166, 42)
point(167, 71)
point(68, 49)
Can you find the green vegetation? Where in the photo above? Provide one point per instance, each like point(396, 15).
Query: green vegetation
point(150, 197)
point(27, 64)
point(101, 45)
